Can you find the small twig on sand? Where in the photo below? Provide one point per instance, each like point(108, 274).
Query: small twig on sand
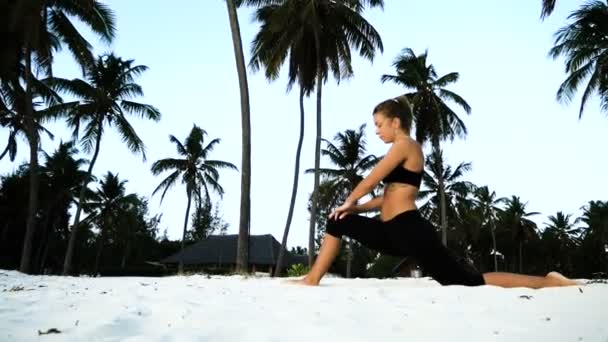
point(50, 331)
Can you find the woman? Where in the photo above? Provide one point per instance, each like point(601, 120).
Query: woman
point(401, 230)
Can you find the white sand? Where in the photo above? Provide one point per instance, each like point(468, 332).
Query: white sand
point(196, 308)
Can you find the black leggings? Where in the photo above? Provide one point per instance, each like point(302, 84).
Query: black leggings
point(408, 234)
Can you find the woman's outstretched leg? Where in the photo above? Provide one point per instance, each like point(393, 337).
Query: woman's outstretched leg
point(327, 253)
point(502, 279)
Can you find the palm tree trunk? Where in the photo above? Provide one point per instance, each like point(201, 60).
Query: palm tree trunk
point(521, 244)
point(67, 263)
point(44, 238)
point(4, 233)
point(127, 250)
point(102, 238)
point(294, 189)
point(313, 207)
point(180, 269)
point(33, 139)
point(349, 258)
point(45, 253)
point(442, 201)
point(493, 231)
point(243, 239)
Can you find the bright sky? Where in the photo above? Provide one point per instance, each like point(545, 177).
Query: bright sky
point(521, 141)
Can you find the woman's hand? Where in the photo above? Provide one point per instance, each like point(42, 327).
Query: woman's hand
point(345, 209)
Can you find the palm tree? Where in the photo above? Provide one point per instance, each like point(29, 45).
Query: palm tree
point(489, 204)
point(561, 229)
point(467, 224)
point(322, 31)
point(584, 44)
point(196, 170)
point(105, 96)
point(434, 120)
point(107, 205)
point(595, 216)
point(15, 103)
point(36, 29)
point(62, 176)
point(351, 161)
point(245, 215)
point(455, 188)
point(515, 218)
point(595, 231)
point(268, 53)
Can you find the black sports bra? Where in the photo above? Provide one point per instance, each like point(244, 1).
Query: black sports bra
point(403, 175)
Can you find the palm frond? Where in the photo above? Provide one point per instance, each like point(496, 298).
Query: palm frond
point(181, 150)
point(166, 184)
point(129, 136)
point(166, 164)
point(143, 110)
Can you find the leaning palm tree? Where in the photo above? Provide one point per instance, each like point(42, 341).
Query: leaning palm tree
point(584, 44)
point(245, 215)
point(197, 172)
point(489, 204)
point(105, 96)
point(321, 33)
point(434, 119)
point(351, 161)
point(515, 218)
point(35, 31)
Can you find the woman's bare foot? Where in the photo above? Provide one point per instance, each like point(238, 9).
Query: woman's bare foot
point(557, 279)
point(304, 281)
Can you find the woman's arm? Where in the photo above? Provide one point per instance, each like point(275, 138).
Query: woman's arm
point(393, 158)
point(374, 203)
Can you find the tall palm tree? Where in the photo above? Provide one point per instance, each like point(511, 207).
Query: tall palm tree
point(197, 172)
point(269, 50)
point(434, 119)
point(47, 107)
point(515, 218)
point(105, 96)
point(245, 215)
point(351, 161)
point(454, 187)
point(584, 44)
point(489, 204)
point(37, 29)
point(322, 31)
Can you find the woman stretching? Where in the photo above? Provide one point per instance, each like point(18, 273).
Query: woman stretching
point(401, 230)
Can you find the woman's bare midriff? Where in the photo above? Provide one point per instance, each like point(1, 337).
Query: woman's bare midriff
point(397, 199)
